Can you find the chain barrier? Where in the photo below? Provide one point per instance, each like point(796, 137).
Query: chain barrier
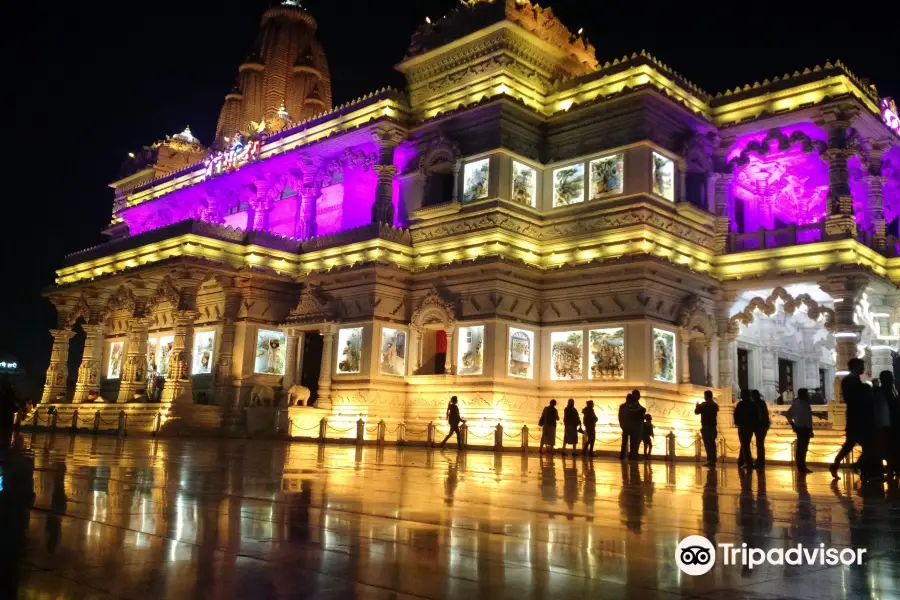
point(414, 432)
point(294, 426)
point(680, 445)
point(373, 429)
point(394, 430)
point(481, 437)
point(335, 429)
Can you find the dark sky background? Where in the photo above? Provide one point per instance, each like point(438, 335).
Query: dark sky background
point(91, 81)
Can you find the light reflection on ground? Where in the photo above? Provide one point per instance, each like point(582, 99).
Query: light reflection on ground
point(141, 518)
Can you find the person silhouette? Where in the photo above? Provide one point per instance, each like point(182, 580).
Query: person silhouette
point(454, 419)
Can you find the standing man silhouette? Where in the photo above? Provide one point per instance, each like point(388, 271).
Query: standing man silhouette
point(454, 419)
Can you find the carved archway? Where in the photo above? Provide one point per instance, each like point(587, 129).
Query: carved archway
point(769, 307)
point(434, 312)
point(165, 292)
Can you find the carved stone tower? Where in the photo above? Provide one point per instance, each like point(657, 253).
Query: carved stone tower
point(286, 72)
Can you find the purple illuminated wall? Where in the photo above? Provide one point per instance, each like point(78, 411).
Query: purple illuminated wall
point(779, 186)
point(343, 205)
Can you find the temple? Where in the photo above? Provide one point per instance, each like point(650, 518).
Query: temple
point(525, 221)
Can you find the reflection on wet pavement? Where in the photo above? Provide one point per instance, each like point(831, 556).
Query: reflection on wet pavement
point(101, 517)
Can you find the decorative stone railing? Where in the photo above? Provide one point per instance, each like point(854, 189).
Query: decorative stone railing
point(777, 238)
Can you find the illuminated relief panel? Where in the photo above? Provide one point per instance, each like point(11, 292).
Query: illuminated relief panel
point(114, 367)
point(470, 350)
point(204, 343)
point(524, 184)
point(393, 351)
point(568, 185)
point(566, 355)
point(350, 350)
point(607, 175)
point(663, 177)
point(521, 353)
point(607, 354)
point(663, 356)
point(475, 180)
point(271, 345)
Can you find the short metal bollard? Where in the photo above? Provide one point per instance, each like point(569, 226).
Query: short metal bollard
point(670, 446)
point(525, 437)
point(698, 448)
point(97, 422)
point(53, 416)
point(463, 435)
point(498, 436)
point(123, 422)
point(720, 442)
point(382, 431)
point(75, 420)
point(158, 424)
point(323, 426)
point(401, 433)
point(429, 439)
point(794, 452)
point(34, 419)
point(360, 431)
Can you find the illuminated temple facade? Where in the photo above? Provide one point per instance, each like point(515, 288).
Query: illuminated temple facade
point(524, 222)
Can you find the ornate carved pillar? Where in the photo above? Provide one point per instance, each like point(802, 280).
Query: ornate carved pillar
point(58, 371)
point(712, 362)
point(178, 387)
point(225, 395)
point(88, 385)
point(448, 359)
point(840, 221)
point(845, 290)
point(260, 203)
point(387, 139)
point(292, 337)
point(456, 167)
point(306, 219)
point(727, 343)
point(134, 376)
point(323, 399)
point(685, 336)
point(723, 221)
point(875, 202)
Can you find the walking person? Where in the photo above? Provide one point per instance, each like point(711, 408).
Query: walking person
point(745, 418)
point(884, 398)
point(709, 425)
point(647, 436)
point(856, 396)
point(454, 419)
point(763, 423)
point(636, 421)
point(572, 423)
point(589, 419)
point(625, 426)
point(799, 415)
point(549, 418)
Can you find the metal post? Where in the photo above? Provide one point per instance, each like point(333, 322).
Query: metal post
point(698, 448)
point(53, 417)
point(498, 436)
point(720, 442)
point(463, 435)
point(429, 440)
point(123, 421)
point(382, 431)
point(75, 420)
point(401, 433)
point(97, 421)
point(670, 446)
point(525, 438)
point(323, 425)
point(794, 452)
point(158, 425)
point(360, 431)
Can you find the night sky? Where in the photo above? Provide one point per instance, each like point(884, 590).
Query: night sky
point(92, 81)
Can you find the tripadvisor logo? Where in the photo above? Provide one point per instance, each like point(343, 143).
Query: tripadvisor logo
point(696, 555)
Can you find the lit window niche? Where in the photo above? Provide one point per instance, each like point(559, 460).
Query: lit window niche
point(470, 350)
point(663, 356)
point(475, 180)
point(521, 353)
point(159, 351)
point(204, 343)
point(566, 355)
point(350, 350)
point(663, 177)
point(393, 351)
point(568, 185)
point(524, 184)
point(271, 345)
point(607, 354)
point(114, 367)
point(607, 176)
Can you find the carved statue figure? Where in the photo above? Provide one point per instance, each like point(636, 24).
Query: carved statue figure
point(298, 395)
point(262, 395)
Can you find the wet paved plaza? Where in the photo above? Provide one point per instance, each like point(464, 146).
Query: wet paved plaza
point(86, 517)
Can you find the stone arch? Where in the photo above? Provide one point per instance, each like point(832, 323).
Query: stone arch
point(165, 292)
point(768, 307)
point(433, 315)
point(433, 309)
point(763, 146)
point(122, 298)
